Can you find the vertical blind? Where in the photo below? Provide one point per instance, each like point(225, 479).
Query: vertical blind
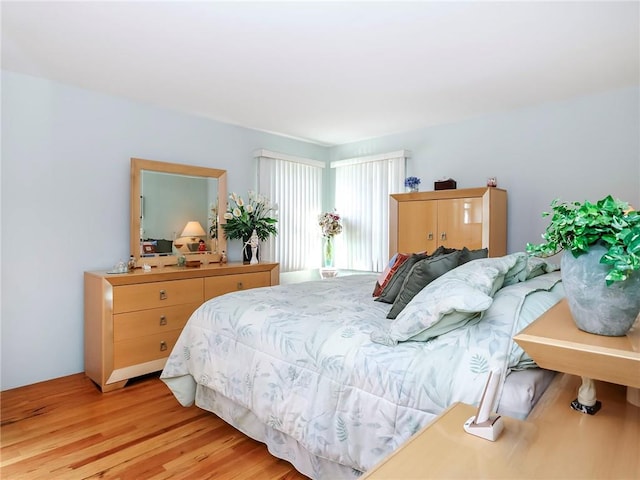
point(295, 185)
point(363, 186)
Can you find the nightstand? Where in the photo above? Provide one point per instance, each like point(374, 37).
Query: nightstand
point(554, 342)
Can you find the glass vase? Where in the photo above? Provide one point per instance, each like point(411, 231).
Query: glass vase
point(327, 252)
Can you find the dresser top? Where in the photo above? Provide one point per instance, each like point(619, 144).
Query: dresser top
point(159, 274)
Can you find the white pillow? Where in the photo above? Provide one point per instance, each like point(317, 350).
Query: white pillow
point(450, 301)
point(528, 268)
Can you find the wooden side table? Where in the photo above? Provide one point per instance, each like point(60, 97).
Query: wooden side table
point(554, 342)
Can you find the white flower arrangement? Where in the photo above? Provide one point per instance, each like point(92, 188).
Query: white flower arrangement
point(243, 218)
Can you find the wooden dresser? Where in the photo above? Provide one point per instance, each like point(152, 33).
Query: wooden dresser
point(473, 218)
point(133, 320)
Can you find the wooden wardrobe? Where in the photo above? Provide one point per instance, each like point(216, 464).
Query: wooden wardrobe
point(473, 218)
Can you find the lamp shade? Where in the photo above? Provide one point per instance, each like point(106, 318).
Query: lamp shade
point(193, 229)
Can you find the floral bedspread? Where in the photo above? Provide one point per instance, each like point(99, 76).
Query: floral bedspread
point(301, 359)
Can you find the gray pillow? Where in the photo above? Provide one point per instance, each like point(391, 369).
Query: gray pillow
point(391, 290)
point(467, 255)
point(394, 285)
point(442, 250)
point(422, 274)
point(164, 246)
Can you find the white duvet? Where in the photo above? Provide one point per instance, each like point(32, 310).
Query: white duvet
point(300, 358)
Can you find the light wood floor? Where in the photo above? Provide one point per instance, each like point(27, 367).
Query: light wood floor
point(67, 429)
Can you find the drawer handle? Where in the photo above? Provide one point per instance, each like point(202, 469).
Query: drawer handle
point(163, 346)
point(240, 286)
point(163, 320)
point(430, 236)
point(163, 294)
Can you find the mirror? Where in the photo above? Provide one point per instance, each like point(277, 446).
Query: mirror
point(169, 200)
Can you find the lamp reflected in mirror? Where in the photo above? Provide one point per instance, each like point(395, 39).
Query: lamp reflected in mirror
point(195, 232)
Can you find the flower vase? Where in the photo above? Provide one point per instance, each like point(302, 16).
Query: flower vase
point(328, 252)
point(595, 307)
point(246, 250)
point(251, 249)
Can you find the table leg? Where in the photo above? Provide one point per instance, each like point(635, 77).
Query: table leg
point(586, 401)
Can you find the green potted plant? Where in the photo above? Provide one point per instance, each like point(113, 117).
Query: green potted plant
point(600, 264)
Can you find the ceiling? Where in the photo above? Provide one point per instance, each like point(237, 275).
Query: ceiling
point(329, 72)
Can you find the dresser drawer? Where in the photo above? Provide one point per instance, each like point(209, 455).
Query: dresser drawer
point(145, 349)
point(214, 286)
point(130, 298)
point(152, 321)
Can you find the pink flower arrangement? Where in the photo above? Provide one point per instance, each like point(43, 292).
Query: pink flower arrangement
point(330, 224)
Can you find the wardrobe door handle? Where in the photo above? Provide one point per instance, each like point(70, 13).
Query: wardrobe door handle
point(443, 236)
point(430, 236)
point(163, 294)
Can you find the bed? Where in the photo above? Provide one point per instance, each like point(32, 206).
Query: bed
point(317, 371)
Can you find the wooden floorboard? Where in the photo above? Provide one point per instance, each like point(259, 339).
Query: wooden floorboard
point(67, 429)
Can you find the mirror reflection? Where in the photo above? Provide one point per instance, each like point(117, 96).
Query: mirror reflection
point(177, 211)
point(174, 211)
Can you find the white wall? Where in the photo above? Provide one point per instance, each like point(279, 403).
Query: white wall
point(65, 204)
point(582, 149)
point(65, 187)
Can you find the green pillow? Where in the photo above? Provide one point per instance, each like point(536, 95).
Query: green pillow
point(528, 268)
point(422, 274)
point(394, 285)
point(441, 251)
point(517, 273)
point(435, 310)
point(467, 255)
point(391, 290)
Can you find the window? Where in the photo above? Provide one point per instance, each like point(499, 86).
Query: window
point(363, 186)
point(295, 185)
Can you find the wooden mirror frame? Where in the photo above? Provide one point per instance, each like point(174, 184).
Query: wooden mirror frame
point(137, 166)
